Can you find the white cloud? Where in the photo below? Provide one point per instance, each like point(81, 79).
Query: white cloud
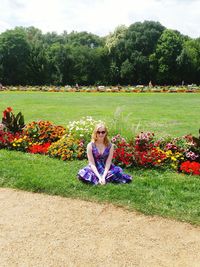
point(99, 16)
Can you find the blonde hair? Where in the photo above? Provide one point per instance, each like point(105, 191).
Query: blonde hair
point(106, 141)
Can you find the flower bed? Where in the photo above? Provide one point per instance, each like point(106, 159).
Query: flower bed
point(144, 150)
point(102, 89)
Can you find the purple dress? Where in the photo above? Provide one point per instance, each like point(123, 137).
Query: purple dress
point(115, 173)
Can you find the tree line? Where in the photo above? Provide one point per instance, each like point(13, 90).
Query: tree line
point(136, 54)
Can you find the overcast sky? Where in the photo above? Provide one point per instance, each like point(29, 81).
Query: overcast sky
point(99, 16)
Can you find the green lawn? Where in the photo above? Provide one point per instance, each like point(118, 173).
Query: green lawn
point(175, 114)
point(160, 192)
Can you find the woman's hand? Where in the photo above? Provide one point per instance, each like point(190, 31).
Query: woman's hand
point(102, 181)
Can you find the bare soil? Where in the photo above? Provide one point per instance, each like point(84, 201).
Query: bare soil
point(41, 230)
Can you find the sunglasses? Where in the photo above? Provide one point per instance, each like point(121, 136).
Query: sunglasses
point(101, 132)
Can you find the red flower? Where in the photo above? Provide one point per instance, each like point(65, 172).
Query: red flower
point(41, 148)
point(6, 138)
point(148, 158)
point(7, 110)
point(190, 167)
point(123, 154)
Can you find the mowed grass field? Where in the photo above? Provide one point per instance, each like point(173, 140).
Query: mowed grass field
point(174, 114)
point(154, 192)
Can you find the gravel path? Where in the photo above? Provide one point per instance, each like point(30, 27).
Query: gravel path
point(41, 230)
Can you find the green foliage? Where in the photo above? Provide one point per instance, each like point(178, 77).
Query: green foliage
point(130, 55)
point(84, 39)
point(14, 60)
point(167, 51)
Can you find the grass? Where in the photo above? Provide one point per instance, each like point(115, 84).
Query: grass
point(161, 192)
point(152, 192)
point(175, 114)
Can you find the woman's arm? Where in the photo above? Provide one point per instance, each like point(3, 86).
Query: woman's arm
point(108, 162)
point(92, 162)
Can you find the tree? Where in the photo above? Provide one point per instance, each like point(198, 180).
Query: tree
point(14, 57)
point(61, 63)
point(130, 49)
point(127, 72)
point(143, 37)
point(168, 50)
point(38, 62)
point(189, 61)
point(113, 39)
point(83, 39)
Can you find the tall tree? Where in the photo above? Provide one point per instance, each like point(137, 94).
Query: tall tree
point(14, 57)
point(61, 63)
point(84, 39)
point(168, 50)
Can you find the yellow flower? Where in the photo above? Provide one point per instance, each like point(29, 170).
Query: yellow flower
point(173, 165)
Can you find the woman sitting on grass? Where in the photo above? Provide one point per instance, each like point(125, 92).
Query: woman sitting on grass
point(100, 153)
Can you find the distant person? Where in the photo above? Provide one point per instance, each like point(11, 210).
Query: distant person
point(100, 153)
